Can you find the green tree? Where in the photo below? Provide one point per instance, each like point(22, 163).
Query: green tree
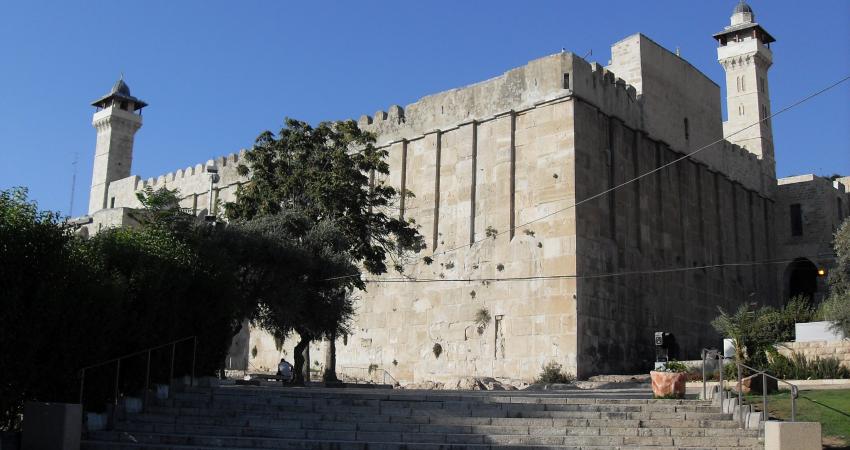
point(327, 174)
point(836, 308)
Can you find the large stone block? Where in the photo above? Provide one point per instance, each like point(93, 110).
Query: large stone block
point(792, 435)
point(52, 426)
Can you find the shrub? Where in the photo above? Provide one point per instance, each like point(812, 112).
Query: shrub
point(674, 366)
point(482, 317)
point(437, 349)
point(553, 373)
point(798, 367)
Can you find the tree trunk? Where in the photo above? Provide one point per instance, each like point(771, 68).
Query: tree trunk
point(330, 361)
point(301, 348)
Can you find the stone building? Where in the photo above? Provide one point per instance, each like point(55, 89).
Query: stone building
point(524, 191)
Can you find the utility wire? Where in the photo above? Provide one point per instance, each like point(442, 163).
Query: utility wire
point(630, 181)
point(601, 275)
point(664, 166)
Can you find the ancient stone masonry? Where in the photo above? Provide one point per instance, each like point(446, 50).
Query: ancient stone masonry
point(540, 188)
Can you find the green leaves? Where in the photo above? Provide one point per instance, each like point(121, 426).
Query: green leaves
point(328, 173)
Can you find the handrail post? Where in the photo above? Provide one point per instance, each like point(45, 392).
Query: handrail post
point(764, 397)
point(720, 377)
point(793, 403)
point(117, 375)
point(740, 394)
point(703, 374)
point(147, 382)
point(194, 352)
point(171, 372)
point(82, 385)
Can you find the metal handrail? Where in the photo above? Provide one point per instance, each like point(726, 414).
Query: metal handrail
point(148, 350)
point(764, 376)
point(716, 354)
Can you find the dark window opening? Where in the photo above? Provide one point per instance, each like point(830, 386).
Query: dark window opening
point(796, 220)
point(124, 106)
point(566, 81)
point(840, 209)
point(112, 202)
point(687, 130)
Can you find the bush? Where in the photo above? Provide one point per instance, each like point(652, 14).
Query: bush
point(553, 373)
point(674, 366)
point(836, 308)
point(798, 367)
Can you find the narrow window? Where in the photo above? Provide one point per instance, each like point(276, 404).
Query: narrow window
point(124, 106)
point(796, 220)
point(687, 130)
point(112, 202)
point(738, 83)
point(840, 208)
point(743, 83)
point(566, 81)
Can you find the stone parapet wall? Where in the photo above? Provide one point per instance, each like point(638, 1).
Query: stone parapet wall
point(818, 349)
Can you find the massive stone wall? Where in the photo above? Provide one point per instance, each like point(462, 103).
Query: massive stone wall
point(496, 168)
point(684, 217)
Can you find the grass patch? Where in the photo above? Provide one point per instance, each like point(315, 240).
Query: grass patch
point(829, 407)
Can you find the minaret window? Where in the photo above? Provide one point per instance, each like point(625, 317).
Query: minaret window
point(687, 130)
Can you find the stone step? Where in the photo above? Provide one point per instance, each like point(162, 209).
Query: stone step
point(298, 421)
point(354, 401)
point(317, 436)
point(298, 430)
point(619, 396)
point(335, 445)
point(218, 410)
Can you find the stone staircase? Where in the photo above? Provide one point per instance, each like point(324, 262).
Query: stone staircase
point(239, 417)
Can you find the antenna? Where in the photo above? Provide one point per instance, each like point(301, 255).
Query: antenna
point(588, 54)
point(73, 185)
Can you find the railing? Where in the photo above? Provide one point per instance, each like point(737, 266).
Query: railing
point(714, 354)
point(368, 374)
point(764, 377)
point(149, 350)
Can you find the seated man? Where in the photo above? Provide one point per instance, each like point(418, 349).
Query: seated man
point(284, 370)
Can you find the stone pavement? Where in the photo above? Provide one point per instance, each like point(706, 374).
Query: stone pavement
point(248, 417)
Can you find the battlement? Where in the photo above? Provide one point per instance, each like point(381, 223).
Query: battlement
point(222, 162)
point(541, 80)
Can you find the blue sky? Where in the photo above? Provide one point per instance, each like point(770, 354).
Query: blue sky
point(218, 73)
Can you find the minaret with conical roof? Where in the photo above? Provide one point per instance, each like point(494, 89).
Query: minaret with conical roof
point(745, 55)
point(118, 117)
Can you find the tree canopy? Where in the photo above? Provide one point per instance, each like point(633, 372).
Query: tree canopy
point(328, 173)
point(836, 308)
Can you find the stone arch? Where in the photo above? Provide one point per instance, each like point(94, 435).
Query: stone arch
point(801, 278)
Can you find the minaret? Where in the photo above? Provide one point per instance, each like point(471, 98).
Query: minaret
point(118, 117)
point(745, 55)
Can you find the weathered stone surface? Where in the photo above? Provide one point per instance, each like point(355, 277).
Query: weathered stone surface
point(668, 384)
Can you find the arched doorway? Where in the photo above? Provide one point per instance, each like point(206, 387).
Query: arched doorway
point(802, 278)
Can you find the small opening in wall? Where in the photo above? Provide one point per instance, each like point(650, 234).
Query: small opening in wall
point(124, 106)
point(566, 81)
point(112, 202)
point(796, 220)
point(687, 130)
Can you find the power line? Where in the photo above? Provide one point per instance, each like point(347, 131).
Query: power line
point(663, 166)
point(600, 275)
point(630, 181)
